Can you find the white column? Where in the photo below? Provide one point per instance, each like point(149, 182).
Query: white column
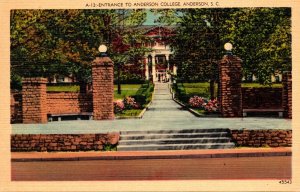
point(153, 67)
point(174, 69)
point(168, 66)
point(146, 68)
point(167, 59)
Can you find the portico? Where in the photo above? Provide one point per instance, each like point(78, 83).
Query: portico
point(157, 65)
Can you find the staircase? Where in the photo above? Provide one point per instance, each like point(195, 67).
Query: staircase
point(175, 140)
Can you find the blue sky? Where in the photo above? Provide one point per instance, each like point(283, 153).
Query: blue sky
point(150, 18)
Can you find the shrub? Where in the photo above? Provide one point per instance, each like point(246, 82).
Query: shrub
point(118, 106)
point(129, 103)
point(211, 106)
point(144, 94)
point(201, 103)
point(196, 101)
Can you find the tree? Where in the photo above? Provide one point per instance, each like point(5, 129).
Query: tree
point(198, 44)
point(262, 38)
point(51, 42)
point(64, 42)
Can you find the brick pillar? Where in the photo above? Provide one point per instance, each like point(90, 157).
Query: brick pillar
point(287, 94)
point(230, 91)
point(82, 87)
point(34, 100)
point(103, 88)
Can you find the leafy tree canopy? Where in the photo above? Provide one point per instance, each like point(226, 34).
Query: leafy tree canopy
point(261, 38)
point(64, 42)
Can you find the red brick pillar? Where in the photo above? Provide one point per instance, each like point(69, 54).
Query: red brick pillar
point(287, 94)
point(103, 88)
point(34, 100)
point(230, 91)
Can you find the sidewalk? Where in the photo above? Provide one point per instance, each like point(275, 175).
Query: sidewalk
point(176, 154)
point(163, 114)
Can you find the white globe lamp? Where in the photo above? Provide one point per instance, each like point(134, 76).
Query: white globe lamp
point(102, 49)
point(228, 47)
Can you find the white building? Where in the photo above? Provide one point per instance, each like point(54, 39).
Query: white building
point(157, 63)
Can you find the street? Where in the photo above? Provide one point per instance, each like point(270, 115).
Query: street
point(276, 167)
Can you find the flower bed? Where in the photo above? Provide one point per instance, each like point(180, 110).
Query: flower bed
point(201, 104)
point(127, 107)
point(132, 106)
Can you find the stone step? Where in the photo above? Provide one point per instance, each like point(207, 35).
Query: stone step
point(174, 141)
point(174, 135)
point(166, 131)
point(175, 147)
point(183, 139)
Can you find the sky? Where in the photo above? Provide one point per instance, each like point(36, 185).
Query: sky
point(150, 18)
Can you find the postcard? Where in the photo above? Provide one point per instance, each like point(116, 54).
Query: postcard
point(135, 95)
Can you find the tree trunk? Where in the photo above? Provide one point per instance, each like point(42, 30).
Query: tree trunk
point(82, 87)
point(119, 81)
point(212, 89)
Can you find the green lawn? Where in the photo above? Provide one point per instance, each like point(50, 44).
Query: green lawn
point(67, 88)
point(126, 89)
point(257, 85)
point(129, 112)
point(201, 89)
point(187, 90)
point(200, 111)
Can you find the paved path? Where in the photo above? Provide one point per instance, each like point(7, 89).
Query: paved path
point(163, 113)
point(160, 154)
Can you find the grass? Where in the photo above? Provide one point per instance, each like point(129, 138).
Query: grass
point(202, 88)
point(124, 93)
point(129, 112)
point(200, 111)
point(257, 85)
point(126, 89)
point(67, 88)
point(128, 86)
point(187, 90)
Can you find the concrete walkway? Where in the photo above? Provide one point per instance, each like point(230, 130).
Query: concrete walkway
point(131, 155)
point(163, 113)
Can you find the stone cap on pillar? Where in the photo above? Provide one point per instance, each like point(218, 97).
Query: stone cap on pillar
point(103, 61)
point(229, 59)
point(29, 80)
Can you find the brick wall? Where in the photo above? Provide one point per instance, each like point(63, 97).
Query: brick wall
point(69, 102)
point(262, 138)
point(16, 107)
point(62, 142)
point(287, 94)
point(262, 98)
point(230, 93)
point(57, 102)
point(34, 100)
point(103, 88)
